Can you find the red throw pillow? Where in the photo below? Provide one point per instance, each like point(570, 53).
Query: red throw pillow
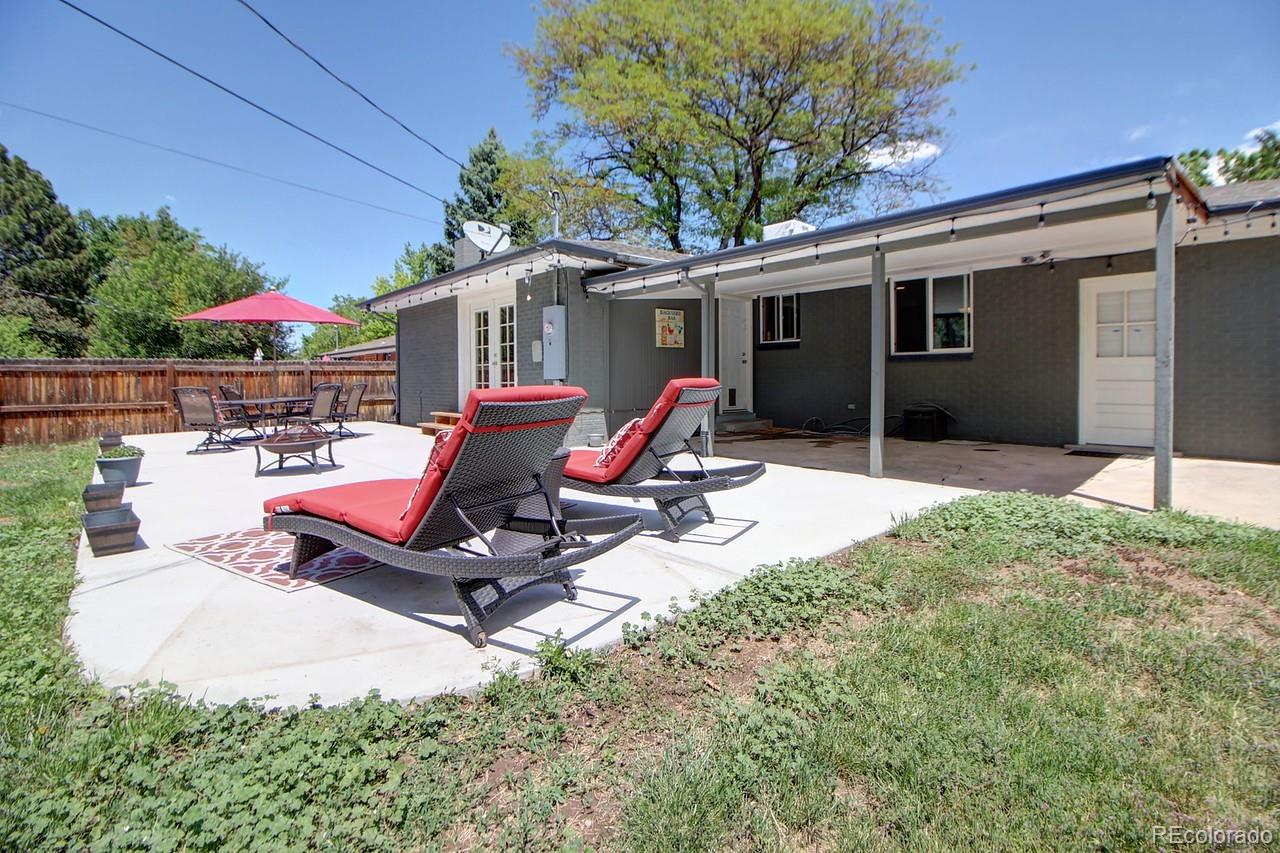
point(442, 438)
point(627, 432)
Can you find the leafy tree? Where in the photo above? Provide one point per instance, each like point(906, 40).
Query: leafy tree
point(724, 115)
point(414, 264)
point(43, 263)
point(590, 208)
point(17, 341)
point(1240, 164)
point(160, 270)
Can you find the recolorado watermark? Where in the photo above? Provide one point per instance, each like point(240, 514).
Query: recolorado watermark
point(1210, 835)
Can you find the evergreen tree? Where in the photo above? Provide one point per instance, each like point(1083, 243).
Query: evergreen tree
point(43, 262)
point(481, 196)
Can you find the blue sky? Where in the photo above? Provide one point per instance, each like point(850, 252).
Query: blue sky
point(1056, 89)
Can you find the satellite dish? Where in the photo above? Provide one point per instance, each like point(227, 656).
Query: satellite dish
point(489, 239)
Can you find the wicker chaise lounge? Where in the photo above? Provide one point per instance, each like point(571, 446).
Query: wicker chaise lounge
point(635, 463)
point(484, 514)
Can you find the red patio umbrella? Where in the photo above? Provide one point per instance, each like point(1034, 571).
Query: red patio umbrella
point(269, 307)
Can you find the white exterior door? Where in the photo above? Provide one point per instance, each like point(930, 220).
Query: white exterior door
point(1118, 360)
point(487, 338)
point(735, 355)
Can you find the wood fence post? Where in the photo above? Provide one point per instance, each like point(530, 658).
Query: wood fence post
point(170, 380)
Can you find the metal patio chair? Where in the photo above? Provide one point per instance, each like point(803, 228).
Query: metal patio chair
point(349, 410)
point(485, 512)
point(199, 412)
point(637, 466)
point(320, 410)
point(251, 415)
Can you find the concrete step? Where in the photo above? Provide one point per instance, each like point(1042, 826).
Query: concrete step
point(433, 428)
point(447, 417)
point(751, 424)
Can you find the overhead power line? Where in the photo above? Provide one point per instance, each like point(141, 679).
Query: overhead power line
point(213, 162)
point(251, 103)
point(350, 86)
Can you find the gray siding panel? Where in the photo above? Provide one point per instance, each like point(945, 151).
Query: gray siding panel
point(1226, 396)
point(427, 336)
point(638, 369)
point(1021, 383)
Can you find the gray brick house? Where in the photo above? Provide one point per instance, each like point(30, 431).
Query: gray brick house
point(1074, 311)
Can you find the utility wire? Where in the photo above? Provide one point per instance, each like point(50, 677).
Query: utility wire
point(362, 95)
point(253, 104)
point(213, 162)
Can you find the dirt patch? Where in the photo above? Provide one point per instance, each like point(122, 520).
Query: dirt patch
point(1217, 609)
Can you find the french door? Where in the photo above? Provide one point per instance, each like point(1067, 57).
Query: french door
point(491, 361)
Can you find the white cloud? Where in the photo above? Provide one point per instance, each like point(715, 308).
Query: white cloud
point(1140, 132)
point(882, 158)
point(168, 197)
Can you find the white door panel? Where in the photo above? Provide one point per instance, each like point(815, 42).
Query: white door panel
point(735, 355)
point(1117, 360)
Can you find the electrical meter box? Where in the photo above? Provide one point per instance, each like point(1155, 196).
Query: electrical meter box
point(555, 361)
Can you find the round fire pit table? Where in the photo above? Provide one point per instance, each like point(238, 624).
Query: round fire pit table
point(300, 441)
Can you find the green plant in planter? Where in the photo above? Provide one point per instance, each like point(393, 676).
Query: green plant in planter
point(120, 464)
point(124, 451)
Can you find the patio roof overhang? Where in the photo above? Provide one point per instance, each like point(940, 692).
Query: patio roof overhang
point(1109, 211)
point(1139, 206)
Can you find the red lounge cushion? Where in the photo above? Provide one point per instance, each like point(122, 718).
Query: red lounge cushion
point(582, 466)
point(392, 509)
point(372, 506)
point(667, 400)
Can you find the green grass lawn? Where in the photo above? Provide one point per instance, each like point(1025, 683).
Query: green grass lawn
point(1007, 671)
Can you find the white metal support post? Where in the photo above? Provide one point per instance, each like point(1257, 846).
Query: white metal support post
point(1166, 236)
point(709, 362)
point(875, 466)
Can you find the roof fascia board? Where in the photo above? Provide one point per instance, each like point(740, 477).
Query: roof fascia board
point(1028, 223)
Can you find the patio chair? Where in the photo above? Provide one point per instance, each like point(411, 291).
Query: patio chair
point(199, 412)
point(484, 513)
point(320, 410)
point(349, 410)
point(634, 463)
point(251, 415)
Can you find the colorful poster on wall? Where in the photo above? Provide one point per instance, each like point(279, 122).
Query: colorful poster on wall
point(670, 327)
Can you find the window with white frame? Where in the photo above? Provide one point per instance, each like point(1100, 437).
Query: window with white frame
point(779, 318)
point(932, 314)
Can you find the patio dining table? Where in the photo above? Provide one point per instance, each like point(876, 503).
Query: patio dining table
point(272, 408)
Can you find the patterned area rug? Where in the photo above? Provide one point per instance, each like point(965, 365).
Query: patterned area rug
point(263, 556)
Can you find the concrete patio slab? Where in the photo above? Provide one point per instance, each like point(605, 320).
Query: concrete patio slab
point(1248, 492)
point(157, 615)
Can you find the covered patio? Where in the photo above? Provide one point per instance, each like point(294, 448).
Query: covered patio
point(1145, 205)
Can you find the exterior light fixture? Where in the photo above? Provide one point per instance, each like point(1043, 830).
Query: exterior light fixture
point(1151, 194)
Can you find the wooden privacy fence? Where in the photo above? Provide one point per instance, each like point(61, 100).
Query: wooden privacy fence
point(46, 400)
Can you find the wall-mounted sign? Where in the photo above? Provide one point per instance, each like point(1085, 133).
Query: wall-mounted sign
point(669, 324)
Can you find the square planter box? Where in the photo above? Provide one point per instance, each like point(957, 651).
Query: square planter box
point(111, 531)
point(102, 496)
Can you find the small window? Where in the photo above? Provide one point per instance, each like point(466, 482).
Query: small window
point(779, 318)
point(932, 315)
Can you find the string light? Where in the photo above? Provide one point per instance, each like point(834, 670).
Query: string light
point(1040, 221)
point(761, 265)
point(1273, 219)
point(952, 236)
point(1052, 266)
point(1108, 263)
point(817, 258)
point(1151, 194)
point(877, 244)
point(643, 284)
